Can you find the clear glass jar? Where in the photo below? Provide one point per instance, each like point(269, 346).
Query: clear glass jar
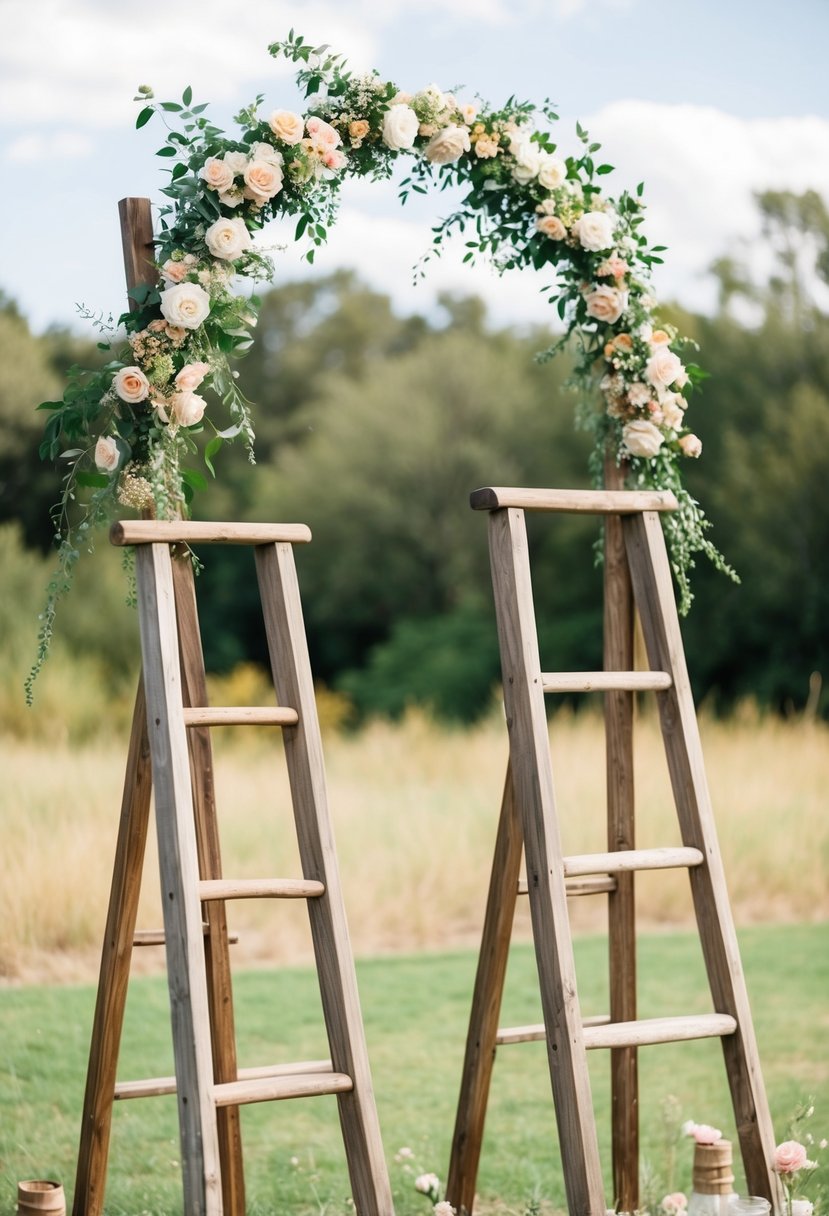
point(700, 1204)
point(750, 1205)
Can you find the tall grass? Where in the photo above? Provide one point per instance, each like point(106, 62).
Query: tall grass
point(415, 808)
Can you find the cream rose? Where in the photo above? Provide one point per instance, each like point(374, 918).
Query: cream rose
point(594, 230)
point(267, 153)
point(448, 145)
point(174, 272)
point(673, 409)
point(606, 303)
point(691, 445)
point(191, 376)
point(131, 385)
point(469, 112)
point(287, 126)
point(551, 226)
point(664, 367)
point(263, 180)
point(185, 304)
point(552, 172)
point(527, 160)
point(400, 125)
point(217, 174)
point(486, 148)
point(237, 162)
point(642, 438)
point(228, 239)
point(107, 455)
point(188, 408)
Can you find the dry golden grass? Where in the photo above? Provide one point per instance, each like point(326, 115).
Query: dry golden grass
point(415, 809)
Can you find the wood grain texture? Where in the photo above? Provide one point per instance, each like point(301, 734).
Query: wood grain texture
point(479, 1056)
point(216, 942)
point(611, 501)
point(137, 243)
point(288, 650)
point(537, 1032)
point(605, 681)
point(239, 715)
point(178, 862)
point(619, 705)
point(276, 1089)
point(659, 1030)
point(654, 592)
point(200, 532)
point(157, 1087)
point(96, 1121)
point(623, 861)
point(533, 784)
point(259, 888)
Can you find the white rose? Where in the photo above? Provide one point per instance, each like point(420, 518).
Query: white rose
point(642, 438)
point(552, 172)
point(664, 367)
point(185, 304)
point(594, 230)
point(400, 125)
point(528, 158)
point(448, 145)
point(228, 239)
point(606, 303)
point(188, 408)
point(287, 126)
point(237, 162)
point(107, 455)
point(131, 385)
point(267, 153)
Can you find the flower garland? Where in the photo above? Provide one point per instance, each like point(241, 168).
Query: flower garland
point(128, 430)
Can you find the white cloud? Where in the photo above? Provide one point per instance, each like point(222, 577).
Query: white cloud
point(56, 145)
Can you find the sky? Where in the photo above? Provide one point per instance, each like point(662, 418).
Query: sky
point(706, 101)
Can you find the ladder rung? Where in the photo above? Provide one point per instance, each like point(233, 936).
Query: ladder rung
point(605, 681)
point(157, 1087)
point(591, 502)
point(274, 1089)
point(660, 1030)
point(198, 532)
point(537, 1033)
point(623, 860)
point(260, 888)
point(240, 715)
point(592, 885)
point(155, 937)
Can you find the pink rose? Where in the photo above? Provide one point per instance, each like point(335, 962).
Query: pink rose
point(703, 1133)
point(106, 455)
point(606, 303)
point(322, 133)
point(335, 159)
point(674, 1203)
point(131, 385)
point(664, 367)
point(789, 1157)
point(691, 445)
point(191, 376)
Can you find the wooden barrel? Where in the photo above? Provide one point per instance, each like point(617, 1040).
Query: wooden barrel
point(713, 1172)
point(36, 1198)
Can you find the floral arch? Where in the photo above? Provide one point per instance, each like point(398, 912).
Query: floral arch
point(131, 432)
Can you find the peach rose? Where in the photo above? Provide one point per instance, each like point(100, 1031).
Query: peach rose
point(131, 385)
point(659, 337)
point(217, 174)
point(263, 180)
point(191, 376)
point(287, 126)
point(485, 147)
point(358, 129)
point(691, 445)
point(107, 455)
point(642, 438)
point(789, 1157)
point(664, 367)
point(174, 272)
point(448, 145)
point(323, 134)
point(606, 304)
point(188, 408)
point(551, 226)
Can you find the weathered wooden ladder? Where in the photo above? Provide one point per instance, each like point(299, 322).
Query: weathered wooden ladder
point(170, 750)
point(636, 571)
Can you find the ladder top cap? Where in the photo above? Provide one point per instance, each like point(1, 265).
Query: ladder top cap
point(197, 532)
point(588, 502)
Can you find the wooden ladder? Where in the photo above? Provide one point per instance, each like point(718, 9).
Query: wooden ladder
point(636, 571)
point(170, 750)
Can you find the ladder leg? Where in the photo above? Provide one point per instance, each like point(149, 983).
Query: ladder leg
point(654, 594)
point(533, 781)
point(178, 862)
point(486, 1007)
point(288, 650)
point(621, 911)
point(96, 1125)
point(217, 953)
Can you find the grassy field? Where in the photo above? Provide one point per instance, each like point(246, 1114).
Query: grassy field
point(415, 1011)
point(415, 810)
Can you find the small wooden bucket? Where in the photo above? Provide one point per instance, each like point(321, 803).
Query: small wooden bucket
point(713, 1173)
point(36, 1198)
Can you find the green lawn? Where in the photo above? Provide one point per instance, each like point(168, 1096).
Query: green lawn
point(415, 1011)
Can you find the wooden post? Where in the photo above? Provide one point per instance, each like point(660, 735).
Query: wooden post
point(621, 912)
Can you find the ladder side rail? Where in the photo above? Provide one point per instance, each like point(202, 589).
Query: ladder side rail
point(113, 979)
point(479, 1056)
point(216, 941)
point(288, 649)
point(653, 589)
point(178, 863)
point(533, 785)
point(621, 834)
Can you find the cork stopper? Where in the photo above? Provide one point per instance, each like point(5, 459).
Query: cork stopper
point(713, 1173)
